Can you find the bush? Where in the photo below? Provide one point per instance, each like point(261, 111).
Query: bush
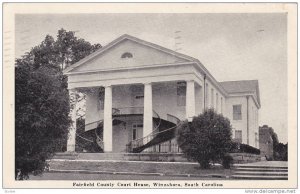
point(227, 161)
point(206, 139)
point(243, 148)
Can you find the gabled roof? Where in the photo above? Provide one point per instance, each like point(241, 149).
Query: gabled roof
point(244, 86)
point(121, 39)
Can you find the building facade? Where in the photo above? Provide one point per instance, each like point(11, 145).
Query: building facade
point(138, 91)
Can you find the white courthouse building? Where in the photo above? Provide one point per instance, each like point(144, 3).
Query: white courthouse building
point(137, 91)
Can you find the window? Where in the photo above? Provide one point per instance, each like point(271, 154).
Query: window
point(212, 103)
point(100, 105)
point(206, 95)
point(217, 102)
point(238, 136)
point(221, 105)
point(237, 112)
point(256, 139)
point(136, 131)
point(126, 55)
point(181, 93)
point(133, 134)
point(139, 97)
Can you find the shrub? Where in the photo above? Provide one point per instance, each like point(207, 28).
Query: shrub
point(243, 148)
point(227, 161)
point(206, 139)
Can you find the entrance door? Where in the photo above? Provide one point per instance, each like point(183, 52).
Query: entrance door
point(137, 131)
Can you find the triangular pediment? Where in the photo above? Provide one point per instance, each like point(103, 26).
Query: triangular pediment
point(126, 52)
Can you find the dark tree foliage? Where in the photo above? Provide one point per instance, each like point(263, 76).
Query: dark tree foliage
point(206, 139)
point(42, 100)
point(280, 152)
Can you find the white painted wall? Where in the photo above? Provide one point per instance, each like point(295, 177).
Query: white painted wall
point(142, 56)
point(93, 113)
point(120, 138)
point(165, 100)
point(213, 96)
point(242, 124)
point(238, 124)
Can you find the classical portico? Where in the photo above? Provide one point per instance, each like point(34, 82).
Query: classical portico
point(136, 92)
point(188, 111)
point(162, 81)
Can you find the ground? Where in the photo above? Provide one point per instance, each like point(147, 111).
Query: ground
point(82, 176)
point(123, 170)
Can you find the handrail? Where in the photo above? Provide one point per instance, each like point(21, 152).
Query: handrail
point(128, 110)
point(146, 139)
point(173, 117)
point(155, 133)
point(84, 138)
point(99, 140)
point(155, 129)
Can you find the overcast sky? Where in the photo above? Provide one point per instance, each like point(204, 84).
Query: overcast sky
point(231, 46)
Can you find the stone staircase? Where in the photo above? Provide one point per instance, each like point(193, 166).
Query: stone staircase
point(162, 157)
point(89, 156)
point(256, 172)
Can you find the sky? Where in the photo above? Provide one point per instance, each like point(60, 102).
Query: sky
point(239, 46)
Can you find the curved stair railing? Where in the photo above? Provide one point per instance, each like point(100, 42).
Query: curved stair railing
point(156, 137)
point(98, 125)
point(99, 140)
point(88, 141)
point(141, 141)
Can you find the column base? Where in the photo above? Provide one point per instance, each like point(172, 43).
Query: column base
point(190, 119)
point(70, 148)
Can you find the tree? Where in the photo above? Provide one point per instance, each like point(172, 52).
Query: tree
point(42, 100)
point(206, 139)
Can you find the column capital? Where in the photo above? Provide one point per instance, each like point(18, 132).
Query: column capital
point(72, 90)
point(148, 83)
point(107, 86)
point(190, 80)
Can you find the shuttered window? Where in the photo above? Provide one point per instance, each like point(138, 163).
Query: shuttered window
point(238, 136)
point(181, 93)
point(237, 112)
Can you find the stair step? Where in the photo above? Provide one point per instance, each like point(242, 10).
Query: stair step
point(253, 177)
point(255, 167)
point(262, 169)
point(261, 173)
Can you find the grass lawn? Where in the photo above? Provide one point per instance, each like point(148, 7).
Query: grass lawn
point(149, 167)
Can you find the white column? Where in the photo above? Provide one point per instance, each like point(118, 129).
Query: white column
point(107, 125)
point(203, 98)
point(72, 130)
point(190, 100)
point(148, 112)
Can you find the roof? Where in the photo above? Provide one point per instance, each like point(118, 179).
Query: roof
point(244, 86)
point(132, 38)
point(146, 43)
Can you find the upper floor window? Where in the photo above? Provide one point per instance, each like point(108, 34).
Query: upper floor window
point(206, 95)
point(256, 139)
point(217, 102)
point(181, 93)
point(221, 105)
point(126, 55)
point(237, 112)
point(238, 136)
point(212, 100)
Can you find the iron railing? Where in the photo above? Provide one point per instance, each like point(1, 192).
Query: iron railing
point(144, 142)
point(132, 110)
point(165, 147)
point(94, 125)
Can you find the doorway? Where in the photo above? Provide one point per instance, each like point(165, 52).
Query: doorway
point(137, 131)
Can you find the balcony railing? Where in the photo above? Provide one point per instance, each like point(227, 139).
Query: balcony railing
point(128, 110)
